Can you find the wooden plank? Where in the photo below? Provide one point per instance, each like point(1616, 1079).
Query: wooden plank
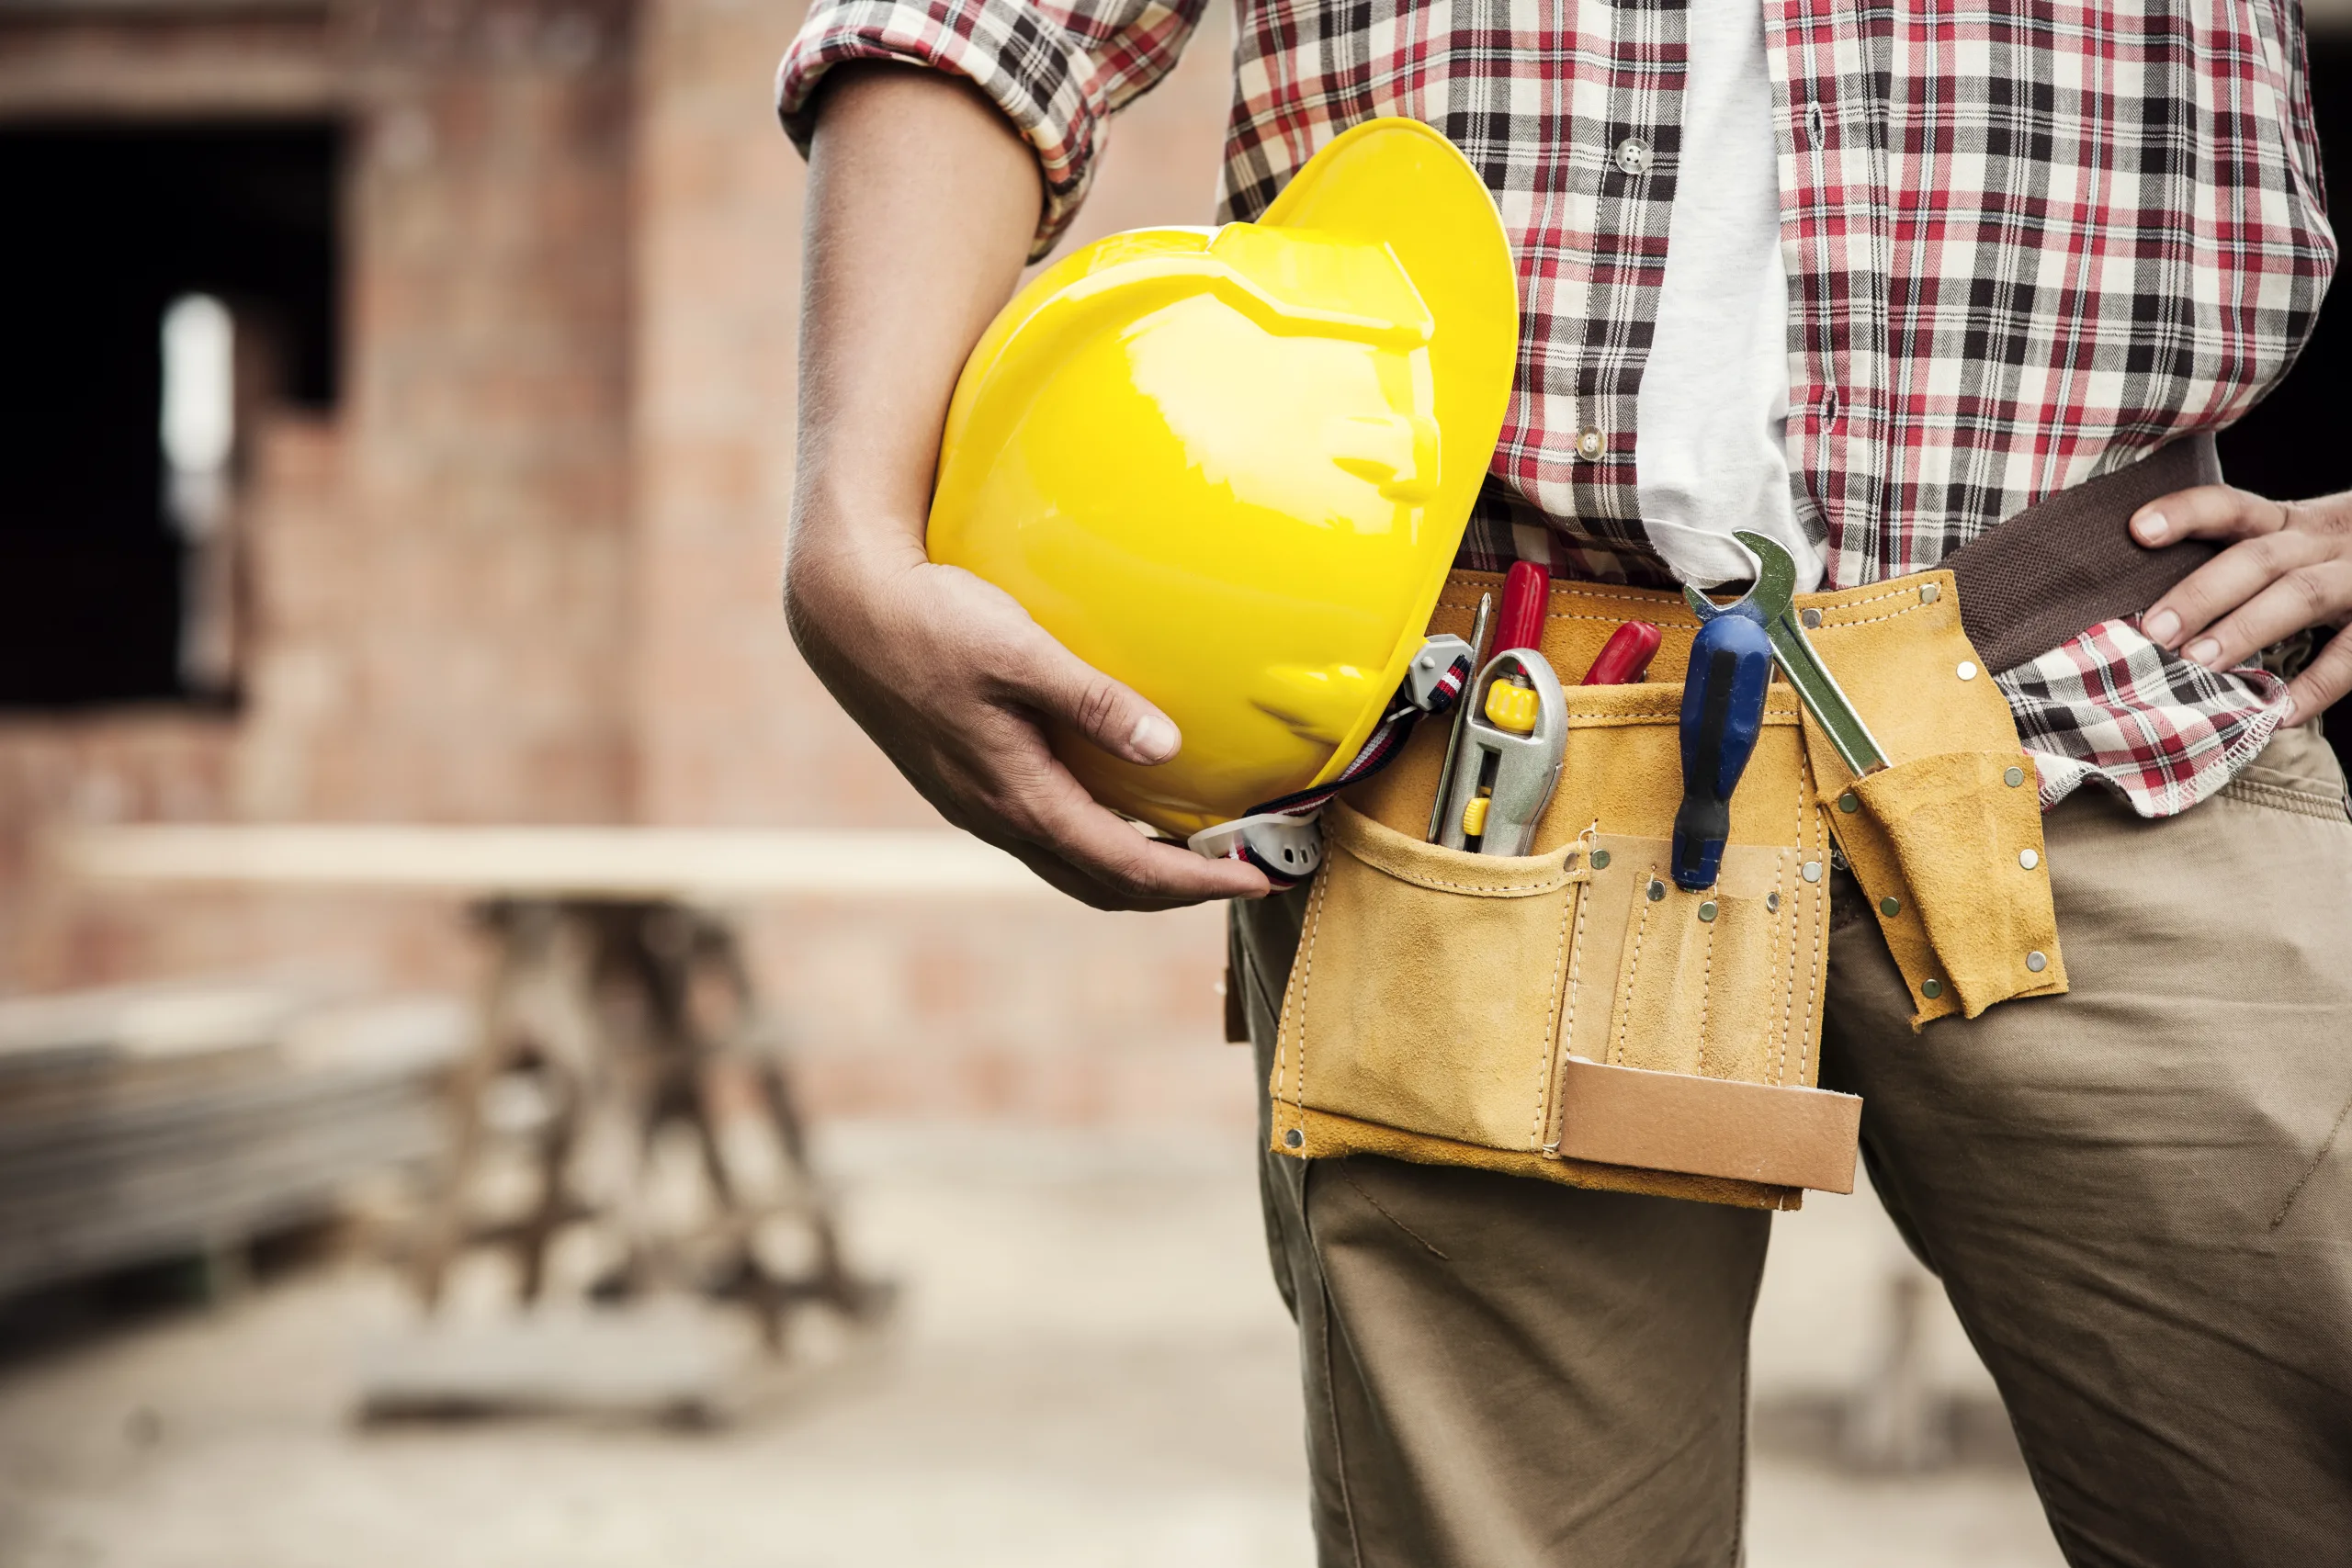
point(591, 862)
point(143, 1123)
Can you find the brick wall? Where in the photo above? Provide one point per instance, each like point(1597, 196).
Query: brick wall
point(527, 571)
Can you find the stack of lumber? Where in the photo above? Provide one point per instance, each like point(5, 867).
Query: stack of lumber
point(141, 1123)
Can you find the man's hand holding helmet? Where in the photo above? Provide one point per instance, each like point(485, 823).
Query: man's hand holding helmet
point(923, 201)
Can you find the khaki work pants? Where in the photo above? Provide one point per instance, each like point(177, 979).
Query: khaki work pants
point(2139, 1196)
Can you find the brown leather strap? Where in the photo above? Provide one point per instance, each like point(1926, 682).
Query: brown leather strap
point(2067, 562)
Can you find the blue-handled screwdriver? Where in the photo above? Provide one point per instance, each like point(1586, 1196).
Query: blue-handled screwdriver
point(1723, 709)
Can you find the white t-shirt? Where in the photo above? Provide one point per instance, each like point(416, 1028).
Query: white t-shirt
point(1710, 454)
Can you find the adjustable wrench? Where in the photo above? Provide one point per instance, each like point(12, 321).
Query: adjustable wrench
point(1772, 601)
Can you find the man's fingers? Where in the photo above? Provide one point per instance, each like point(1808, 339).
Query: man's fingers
point(1026, 802)
point(972, 743)
point(2230, 580)
point(1127, 895)
point(2208, 511)
point(1118, 868)
point(2322, 683)
point(1048, 677)
point(2302, 596)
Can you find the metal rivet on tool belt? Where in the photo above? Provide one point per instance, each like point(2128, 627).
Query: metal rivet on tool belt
point(2036, 961)
point(1707, 910)
point(1928, 596)
point(2027, 859)
point(1657, 890)
point(1890, 907)
point(1772, 901)
point(2014, 777)
point(1812, 619)
point(1812, 872)
point(1294, 1138)
point(1848, 804)
point(1589, 444)
point(1932, 989)
point(1601, 860)
point(1967, 670)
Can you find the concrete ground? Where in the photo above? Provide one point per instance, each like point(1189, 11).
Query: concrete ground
point(1090, 1368)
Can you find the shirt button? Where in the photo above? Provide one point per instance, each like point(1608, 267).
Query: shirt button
point(1634, 155)
point(1589, 444)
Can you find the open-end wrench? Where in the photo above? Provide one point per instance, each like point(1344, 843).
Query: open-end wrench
point(1773, 601)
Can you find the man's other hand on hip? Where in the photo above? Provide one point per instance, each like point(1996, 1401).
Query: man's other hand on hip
point(2285, 566)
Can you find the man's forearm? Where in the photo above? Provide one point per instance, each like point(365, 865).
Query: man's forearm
point(923, 201)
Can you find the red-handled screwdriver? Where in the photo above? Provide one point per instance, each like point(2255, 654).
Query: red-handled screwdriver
point(1625, 657)
point(1527, 593)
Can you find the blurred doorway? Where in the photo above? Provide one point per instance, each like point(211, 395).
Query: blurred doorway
point(161, 280)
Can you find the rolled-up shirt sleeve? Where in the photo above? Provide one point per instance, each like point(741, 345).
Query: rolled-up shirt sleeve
point(1058, 71)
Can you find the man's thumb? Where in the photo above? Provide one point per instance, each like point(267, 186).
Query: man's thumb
point(1107, 713)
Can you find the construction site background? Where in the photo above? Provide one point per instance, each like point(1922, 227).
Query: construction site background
point(526, 568)
point(513, 558)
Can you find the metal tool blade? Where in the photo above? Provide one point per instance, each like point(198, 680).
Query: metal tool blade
point(1817, 687)
point(1462, 711)
point(1773, 591)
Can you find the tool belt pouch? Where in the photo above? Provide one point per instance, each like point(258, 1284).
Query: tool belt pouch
point(1572, 1015)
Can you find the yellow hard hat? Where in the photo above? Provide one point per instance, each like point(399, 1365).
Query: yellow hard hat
point(1230, 467)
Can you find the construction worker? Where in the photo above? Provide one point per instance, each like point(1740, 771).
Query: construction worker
point(1869, 283)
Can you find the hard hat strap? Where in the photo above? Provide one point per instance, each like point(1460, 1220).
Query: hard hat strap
point(1429, 688)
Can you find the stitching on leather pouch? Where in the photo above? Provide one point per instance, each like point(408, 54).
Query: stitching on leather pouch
point(1812, 828)
point(1820, 891)
point(1557, 616)
point(1633, 971)
point(1707, 987)
point(1784, 719)
point(1584, 591)
point(1576, 985)
point(1404, 871)
point(1788, 996)
point(1526, 890)
point(1551, 1015)
point(1794, 904)
point(1306, 974)
point(1911, 592)
point(1828, 624)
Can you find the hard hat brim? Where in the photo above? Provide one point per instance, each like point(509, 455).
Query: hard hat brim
point(1400, 182)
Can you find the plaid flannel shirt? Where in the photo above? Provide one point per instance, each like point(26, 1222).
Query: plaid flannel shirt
point(2025, 244)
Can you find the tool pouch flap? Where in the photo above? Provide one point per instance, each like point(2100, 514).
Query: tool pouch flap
point(1946, 842)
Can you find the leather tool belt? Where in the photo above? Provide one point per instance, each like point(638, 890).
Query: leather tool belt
point(1572, 1015)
